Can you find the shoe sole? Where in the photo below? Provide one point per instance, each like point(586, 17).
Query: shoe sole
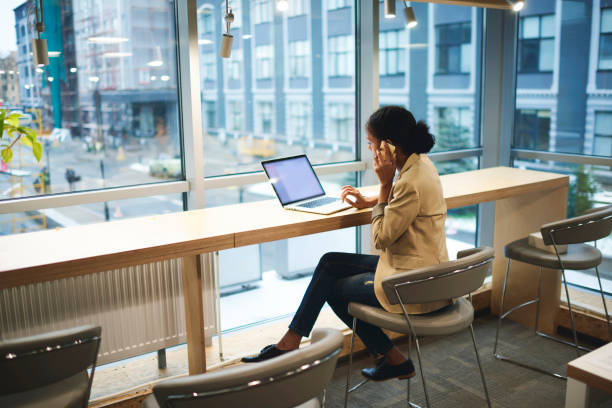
point(401, 377)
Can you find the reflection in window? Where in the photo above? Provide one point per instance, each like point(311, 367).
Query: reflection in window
point(602, 143)
point(391, 53)
point(536, 48)
point(453, 47)
point(209, 65)
point(299, 120)
point(264, 118)
point(532, 129)
point(262, 11)
point(299, 64)
point(235, 119)
point(210, 114)
point(605, 40)
point(340, 50)
point(206, 24)
point(264, 55)
point(341, 122)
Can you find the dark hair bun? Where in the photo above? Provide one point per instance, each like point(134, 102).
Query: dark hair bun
point(423, 141)
point(396, 124)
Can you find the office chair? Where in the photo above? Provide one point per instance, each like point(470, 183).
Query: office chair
point(574, 232)
point(290, 380)
point(453, 279)
point(50, 369)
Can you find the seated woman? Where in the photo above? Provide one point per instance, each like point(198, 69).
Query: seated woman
point(407, 229)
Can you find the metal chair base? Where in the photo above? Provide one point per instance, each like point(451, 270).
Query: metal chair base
point(534, 368)
point(558, 340)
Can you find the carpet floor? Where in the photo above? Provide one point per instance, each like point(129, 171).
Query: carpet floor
point(453, 378)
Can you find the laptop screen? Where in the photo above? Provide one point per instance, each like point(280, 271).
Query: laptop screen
point(293, 179)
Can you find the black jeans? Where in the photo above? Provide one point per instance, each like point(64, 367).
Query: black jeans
point(341, 278)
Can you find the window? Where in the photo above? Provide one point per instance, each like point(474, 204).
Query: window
point(209, 68)
point(341, 117)
point(536, 48)
point(336, 4)
point(233, 65)
point(206, 24)
point(453, 48)
point(265, 117)
point(210, 114)
point(264, 57)
point(605, 40)
point(391, 55)
point(532, 129)
point(262, 11)
point(297, 7)
point(340, 51)
point(602, 143)
point(299, 120)
point(235, 118)
point(453, 128)
point(299, 59)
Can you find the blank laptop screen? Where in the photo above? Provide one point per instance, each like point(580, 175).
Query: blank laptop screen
point(293, 179)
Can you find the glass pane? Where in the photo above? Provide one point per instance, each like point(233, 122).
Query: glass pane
point(531, 27)
point(606, 20)
point(529, 55)
point(62, 217)
point(547, 55)
point(590, 187)
point(548, 26)
point(605, 52)
point(105, 108)
point(290, 60)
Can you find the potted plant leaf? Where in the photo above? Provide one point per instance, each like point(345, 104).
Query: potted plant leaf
point(11, 133)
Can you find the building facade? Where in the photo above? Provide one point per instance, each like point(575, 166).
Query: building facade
point(9, 85)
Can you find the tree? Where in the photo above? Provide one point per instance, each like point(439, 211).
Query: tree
point(452, 136)
point(582, 188)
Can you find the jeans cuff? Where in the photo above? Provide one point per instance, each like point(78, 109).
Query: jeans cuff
point(299, 331)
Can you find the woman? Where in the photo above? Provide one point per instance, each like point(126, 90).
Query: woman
point(407, 228)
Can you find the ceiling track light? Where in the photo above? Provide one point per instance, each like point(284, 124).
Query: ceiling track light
point(389, 8)
point(39, 45)
point(517, 5)
point(411, 20)
point(225, 51)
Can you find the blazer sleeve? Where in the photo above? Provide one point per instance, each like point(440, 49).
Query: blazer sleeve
point(390, 221)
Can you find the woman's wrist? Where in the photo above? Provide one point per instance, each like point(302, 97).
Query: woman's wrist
point(383, 195)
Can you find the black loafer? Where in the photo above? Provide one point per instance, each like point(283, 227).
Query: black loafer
point(385, 371)
point(266, 353)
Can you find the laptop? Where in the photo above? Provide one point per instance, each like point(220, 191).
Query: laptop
point(298, 188)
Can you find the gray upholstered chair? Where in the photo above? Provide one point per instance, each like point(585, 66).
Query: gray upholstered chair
point(50, 369)
point(574, 232)
point(453, 279)
point(292, 379)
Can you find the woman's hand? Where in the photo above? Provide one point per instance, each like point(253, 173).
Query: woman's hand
point(356, 199)
point(384, 166)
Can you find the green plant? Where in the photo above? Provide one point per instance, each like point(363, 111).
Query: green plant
point(581, 192)
point(11, 133)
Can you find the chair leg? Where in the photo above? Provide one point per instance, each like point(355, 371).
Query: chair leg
point(418, 349)
point(569, 306)
point(603, 299)
point(484, 383)
point(348, 374)
point(501, 310)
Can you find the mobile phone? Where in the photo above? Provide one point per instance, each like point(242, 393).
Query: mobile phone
point(381, 148)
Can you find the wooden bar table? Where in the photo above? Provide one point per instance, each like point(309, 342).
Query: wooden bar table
point(525, 200)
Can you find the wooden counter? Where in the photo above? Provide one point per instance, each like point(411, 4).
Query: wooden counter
point(525, 200)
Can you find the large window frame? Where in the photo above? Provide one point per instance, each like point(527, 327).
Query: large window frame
point(605, 39)
point(448, 45)
point(534, 43)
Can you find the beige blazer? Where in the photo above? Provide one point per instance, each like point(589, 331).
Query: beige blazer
point(409, 229)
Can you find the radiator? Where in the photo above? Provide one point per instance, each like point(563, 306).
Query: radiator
point(141, 308)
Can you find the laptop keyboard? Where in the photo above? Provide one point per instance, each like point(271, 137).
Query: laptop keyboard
point(318, 202)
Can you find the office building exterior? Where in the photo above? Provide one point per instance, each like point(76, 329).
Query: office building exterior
point(9, 85)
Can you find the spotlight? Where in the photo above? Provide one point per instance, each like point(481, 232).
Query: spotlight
point(411, 20)
point(389, 8)
point(225, 51)
point(282, 5)
point(516, 5)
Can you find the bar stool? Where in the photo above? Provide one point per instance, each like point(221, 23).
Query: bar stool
point(453, 279)
point(573, 232)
